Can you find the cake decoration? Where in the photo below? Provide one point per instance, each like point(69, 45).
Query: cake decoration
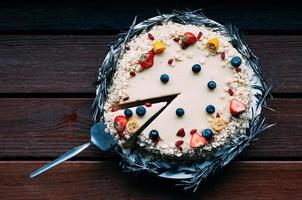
point(211, 85)
point(181, 132)
point(210, 109)
point(153, 138)
point(180, 112)
point(196, 68)
point(213, 45)
point(187, 39)
point(197, 140)
point(207, 134)
point(164, 78)
point(146, 60)
point(236, 61)
point(154, 135)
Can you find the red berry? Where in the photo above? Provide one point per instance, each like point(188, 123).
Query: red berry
point(237, 69)
point(222, 55)
point(181, 132)
point(146, 60)
point(132, 73)
point(126, 99)
point(170, 61)
point(150, 36)
point(199, 35)
point(197, 140)
point(147, 104)
point(113, 109)
point(127, 48)
point(193, 131)
point(188, 39)
point(120, 122)
point(236, 107)
point(231, 92)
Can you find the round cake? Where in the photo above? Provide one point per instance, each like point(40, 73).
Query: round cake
point(179, 91)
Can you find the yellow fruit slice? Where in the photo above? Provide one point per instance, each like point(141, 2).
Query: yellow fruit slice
point(218, 124)
point(132, 126)
point(213, 45)
point(158, 47)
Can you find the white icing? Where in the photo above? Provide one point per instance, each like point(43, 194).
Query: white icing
point(193, 93)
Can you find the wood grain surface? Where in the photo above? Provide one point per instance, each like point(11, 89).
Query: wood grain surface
point(47, 127)
point(69, 63)
point(250, 180)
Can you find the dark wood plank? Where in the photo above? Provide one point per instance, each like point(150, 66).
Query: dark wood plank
point(69, 63)
point(109, 15)
point(103, 180)
point(39, 128)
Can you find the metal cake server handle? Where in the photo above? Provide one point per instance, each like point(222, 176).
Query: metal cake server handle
point(69, 154)
point(99, 137)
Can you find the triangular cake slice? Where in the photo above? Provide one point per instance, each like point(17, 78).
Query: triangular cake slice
point(126, 122)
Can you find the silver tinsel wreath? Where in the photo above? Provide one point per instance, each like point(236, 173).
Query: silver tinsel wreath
point(188, 176)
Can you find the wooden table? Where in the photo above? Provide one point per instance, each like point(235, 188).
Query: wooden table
point(49, 57)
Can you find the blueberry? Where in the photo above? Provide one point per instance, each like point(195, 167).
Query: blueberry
point(128, 112)
point(180, 112)
point(153, 135)
point(211, 85)
point(236, 61)
point(207, 134)
point(140, 111)
point(210, 109)
point(164, 78)
point(196, 68)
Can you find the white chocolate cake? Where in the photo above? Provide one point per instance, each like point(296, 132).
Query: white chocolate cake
point(205, 78)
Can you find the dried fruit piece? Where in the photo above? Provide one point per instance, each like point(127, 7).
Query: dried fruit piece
point(218, 124)
point(120, 122)
point(181, 132)
point(158, 47)
point(237, 69)
point(199, 35)
point(236, 107)
point(197, 140)
point(170, 61)
point(212, 45)
point(146, 60)
point(176, 39)
point(125, 98)
point(222, 55)
point(132, 73)
point(150, 36)
point(132, 126)
point(148, 104)
point(179, 142)
point(231, 92)
point(193, 131)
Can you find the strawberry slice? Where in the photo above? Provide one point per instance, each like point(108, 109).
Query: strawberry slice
point(188, 39)
point(120, 122)
point(236, 107)
point(146, 60)
point(197, 140)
